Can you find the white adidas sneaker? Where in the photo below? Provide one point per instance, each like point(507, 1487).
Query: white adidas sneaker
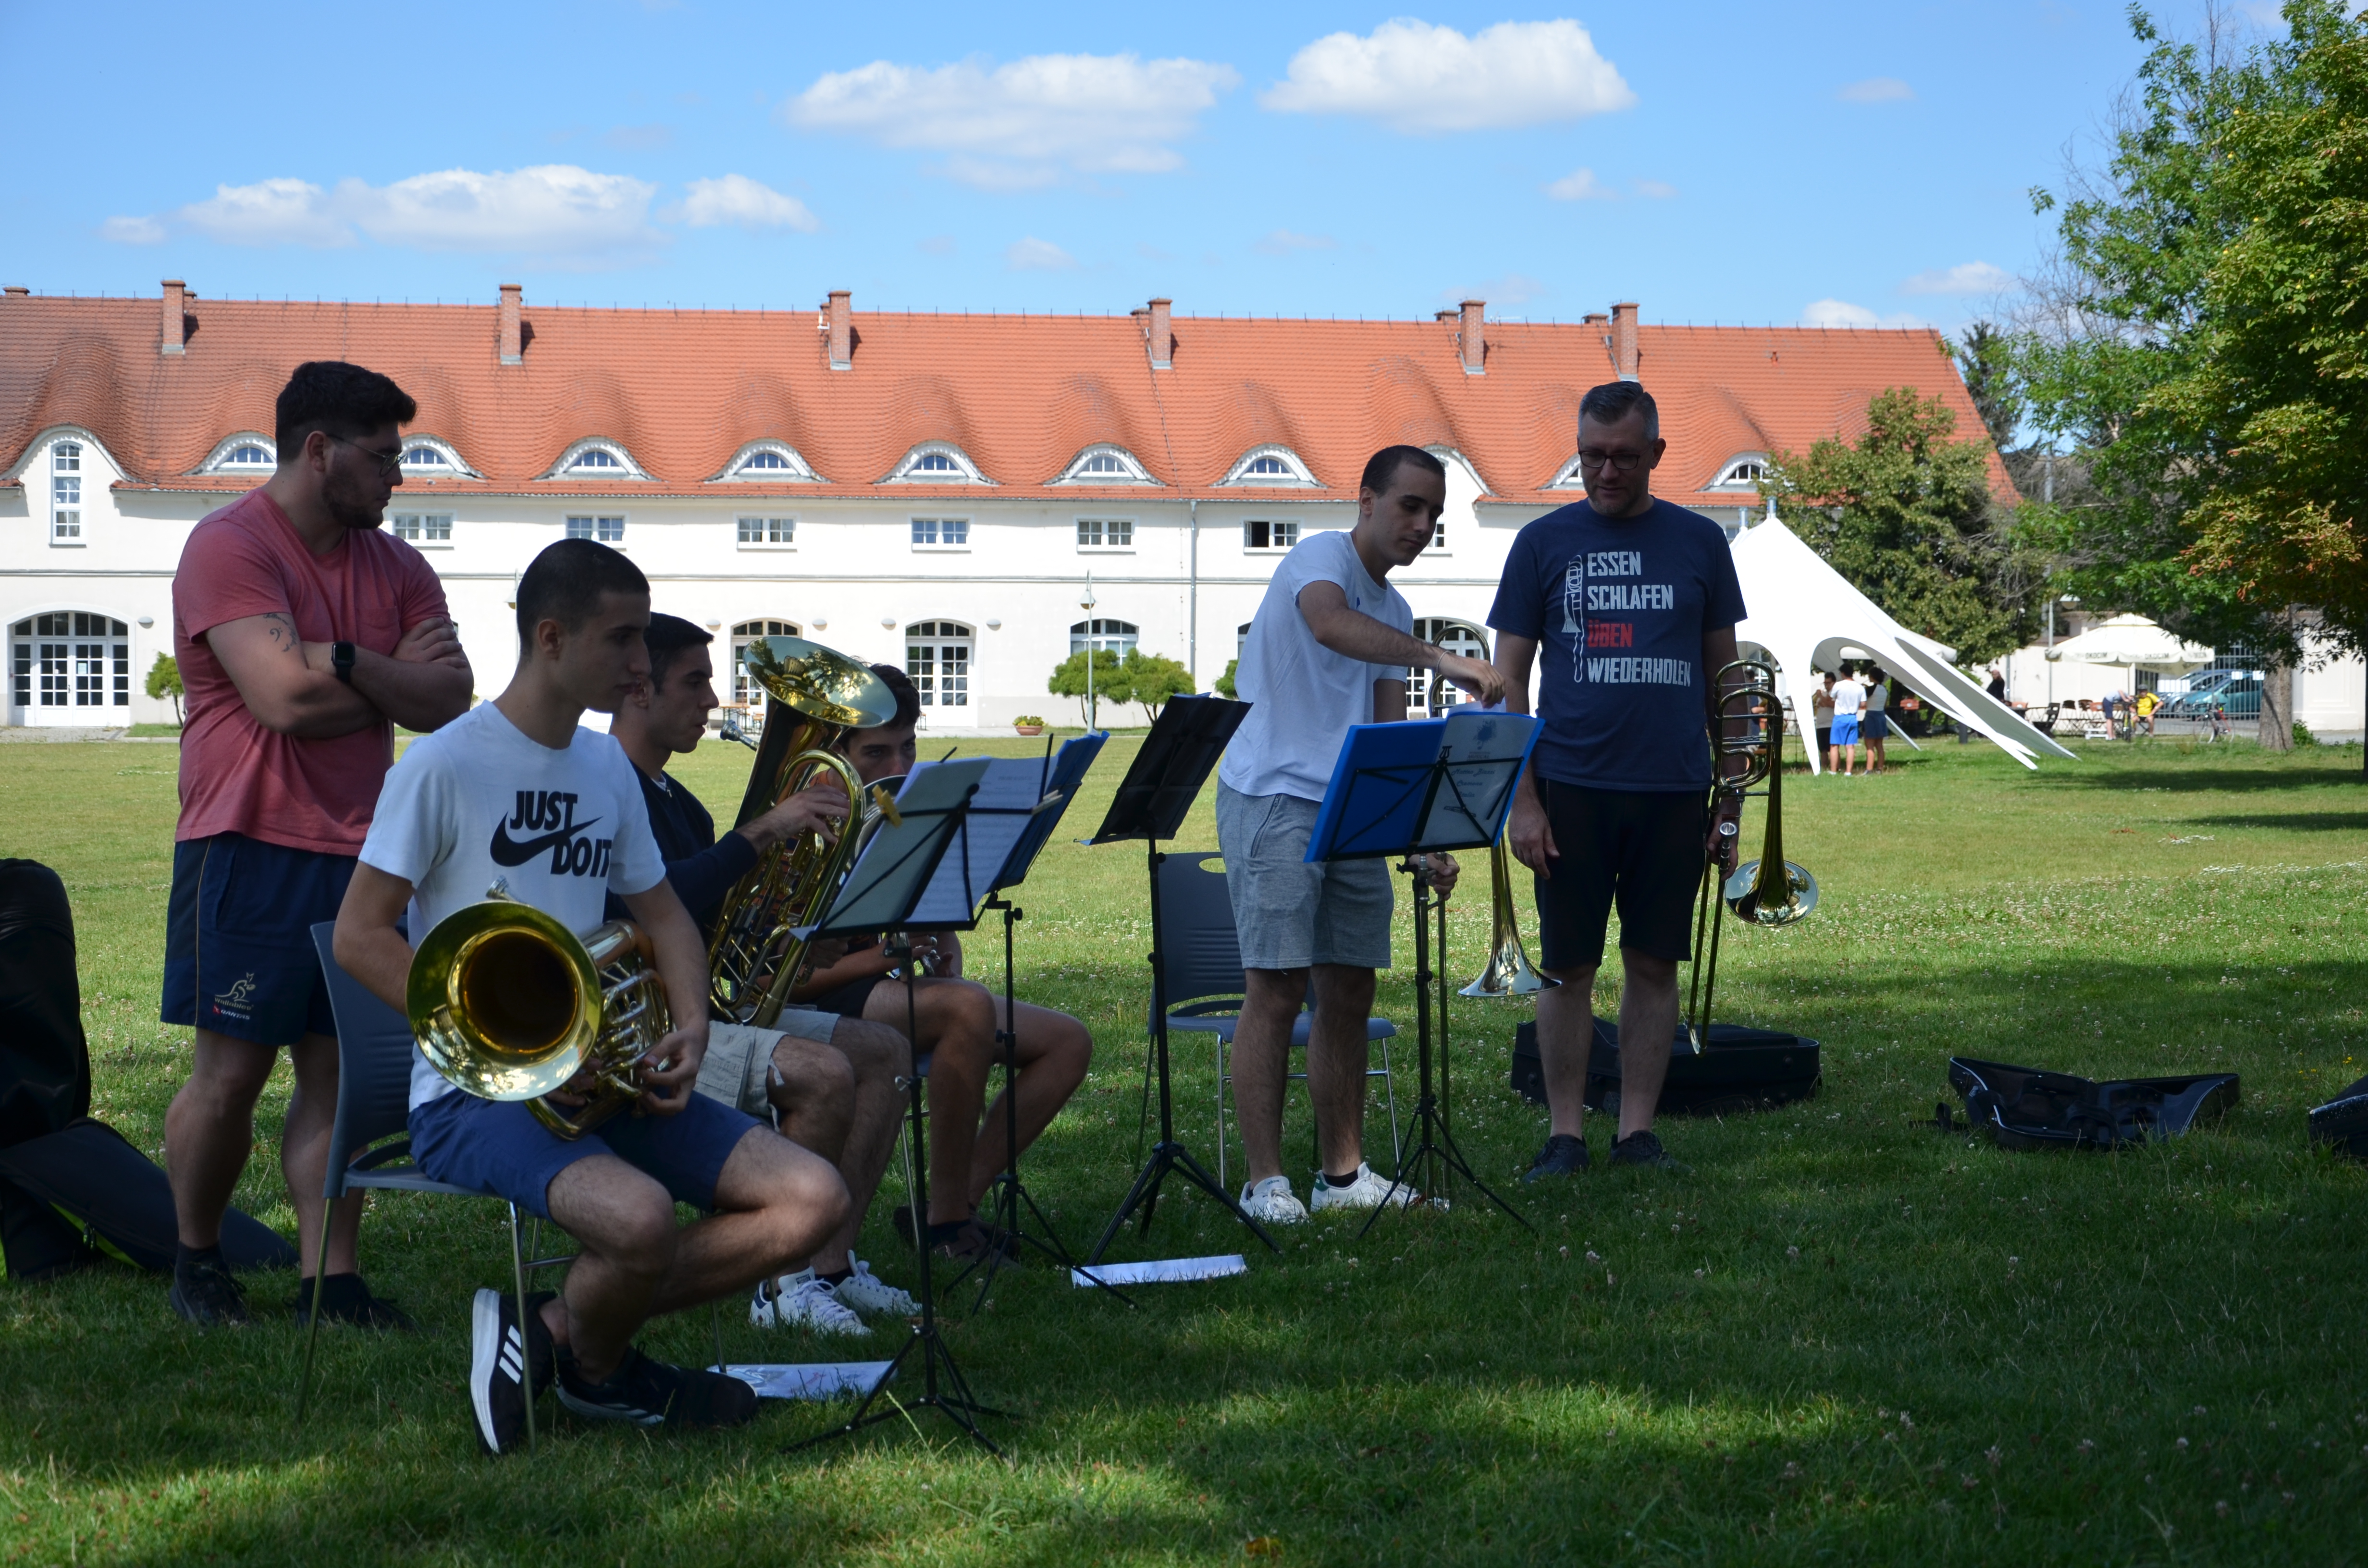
point(1368, 1191)
point(868, 1293)
point(800, 1301)
point(1271, 1203)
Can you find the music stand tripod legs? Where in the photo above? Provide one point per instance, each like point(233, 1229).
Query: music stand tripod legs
point(1434, 1145)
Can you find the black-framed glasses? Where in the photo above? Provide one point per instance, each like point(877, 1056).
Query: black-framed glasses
point(388, 462)
point(1618, 462)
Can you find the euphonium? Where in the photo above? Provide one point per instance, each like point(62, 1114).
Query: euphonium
point(814, 697)
point(509, 1005)
point(1508, 973)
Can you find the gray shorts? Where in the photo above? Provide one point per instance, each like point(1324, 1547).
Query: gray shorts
point(1289, 913)
point(737, 1068)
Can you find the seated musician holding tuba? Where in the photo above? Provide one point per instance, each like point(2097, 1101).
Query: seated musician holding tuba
point(827, 1083)
point(957, 1019)
point(514, 793)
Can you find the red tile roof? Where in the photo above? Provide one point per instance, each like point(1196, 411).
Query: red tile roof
point(684, 391)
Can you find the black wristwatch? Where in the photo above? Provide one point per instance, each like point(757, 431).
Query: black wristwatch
point(341, 659)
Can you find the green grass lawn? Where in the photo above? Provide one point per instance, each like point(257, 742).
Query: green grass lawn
point(1842, 1338)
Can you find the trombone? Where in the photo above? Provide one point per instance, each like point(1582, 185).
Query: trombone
point(1508, 972)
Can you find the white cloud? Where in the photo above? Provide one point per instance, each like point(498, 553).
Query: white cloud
point(1032, 254)
point(132, 231)
point(1414, 76)
point(1512, 289)
point(1580, 185)
point(1842, 313)
point(1284, 242)
point(268, 212)
point(1965, 277)
point(1027, 123)
point(1655, 189)
point(736, 199)
point(1876, 90)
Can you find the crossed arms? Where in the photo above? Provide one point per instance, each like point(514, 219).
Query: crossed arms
point(291, 688)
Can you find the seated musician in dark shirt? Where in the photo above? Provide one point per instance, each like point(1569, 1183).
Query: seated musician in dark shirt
point(827, 1082)
point(957, 1019)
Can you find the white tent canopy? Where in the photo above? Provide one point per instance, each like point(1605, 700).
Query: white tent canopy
point(1802, 614)
point(2132, 641)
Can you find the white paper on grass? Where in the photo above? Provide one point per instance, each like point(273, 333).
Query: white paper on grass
point(809, 1380)
point(1160, 1271)
point(1009, 793)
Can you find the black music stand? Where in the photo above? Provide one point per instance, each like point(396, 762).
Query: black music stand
point(1409, 789)
point(1151, 804)
point(881, 897)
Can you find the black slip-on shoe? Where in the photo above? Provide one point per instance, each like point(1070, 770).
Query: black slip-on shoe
point(205, 1294)
point(1565, 1154)
point(1643, 1149)
point(346, 1297)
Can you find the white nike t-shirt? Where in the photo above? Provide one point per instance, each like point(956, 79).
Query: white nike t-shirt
point(479, 802)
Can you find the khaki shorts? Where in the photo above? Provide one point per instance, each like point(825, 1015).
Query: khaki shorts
point(1288, 912)
point(739, 1061)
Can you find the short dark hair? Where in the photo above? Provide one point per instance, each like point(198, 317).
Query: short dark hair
point(1384, 465)
point(344, 400)
point(669, 635)
point(1615, 401)
point(565, 582)
point(900, 686)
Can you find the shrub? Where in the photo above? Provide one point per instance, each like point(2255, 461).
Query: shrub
point(164, 680)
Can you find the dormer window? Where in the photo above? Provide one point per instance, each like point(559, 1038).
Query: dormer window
point(245, 452)
point(423, 457)
point(1567, 476)
point(937, 462)
point(1105, 464)
point(1274, 466)
point(1749, 470)
point(1271, 467)
point(596, 458)
point(766, 462)
point(430, 457)
point(248, 456)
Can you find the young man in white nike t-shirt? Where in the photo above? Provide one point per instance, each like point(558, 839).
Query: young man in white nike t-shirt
point(514, 793)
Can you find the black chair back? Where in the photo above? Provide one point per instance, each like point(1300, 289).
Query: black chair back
point(374, 1055)
point(1196, 931)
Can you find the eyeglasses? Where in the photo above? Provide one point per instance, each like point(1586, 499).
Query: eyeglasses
point(388, 462)
point(1618, 462)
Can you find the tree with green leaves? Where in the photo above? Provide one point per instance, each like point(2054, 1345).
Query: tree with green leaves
point(164, 680)
point(1151, 679)
point(1109, 683)
point(1905, 513)
point(1224, 687)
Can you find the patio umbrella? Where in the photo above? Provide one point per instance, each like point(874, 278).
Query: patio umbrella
point(2132, 641)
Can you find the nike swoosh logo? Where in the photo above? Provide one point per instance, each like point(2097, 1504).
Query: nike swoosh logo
point(508, 851)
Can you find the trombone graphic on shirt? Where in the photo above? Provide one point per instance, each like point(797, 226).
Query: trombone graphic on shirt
point(550, 816)
point(1591, 582)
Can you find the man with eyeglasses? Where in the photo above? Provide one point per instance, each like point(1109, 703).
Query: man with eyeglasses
point(1633, 603)
point(304, 635)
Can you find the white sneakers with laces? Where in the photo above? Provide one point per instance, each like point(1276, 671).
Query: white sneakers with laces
point(1368, 1191)
point(1271, 1203)
point(872, 1296)
point(801, 1301)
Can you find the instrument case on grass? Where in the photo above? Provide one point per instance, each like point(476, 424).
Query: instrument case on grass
point(1743, 1069)
point(2343, 1121)
point(2030, 1107)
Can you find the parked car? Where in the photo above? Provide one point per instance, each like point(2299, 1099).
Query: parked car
point(2238, 692)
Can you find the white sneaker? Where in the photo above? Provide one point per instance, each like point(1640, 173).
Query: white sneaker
point(800, 1301)
point(1368, 1191)
point(1271, 1203)
point(867, 1292)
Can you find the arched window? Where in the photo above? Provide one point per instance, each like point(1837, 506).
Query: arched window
point(935, 463)
point(69, 659)
point(246, 454)
point(761, 462)
point(1742, 470)
point(65, 493)
point(1428, 693)
point(1102, 462)
point(596, 459)
point(422, 456)
point(747, 695)
point(936, 657)
point(1118, 637)
point(1269, 467)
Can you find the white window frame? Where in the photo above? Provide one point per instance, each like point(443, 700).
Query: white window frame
point(1104, 632)
point(737, 471)
point(1298, 478)
point(1275, 544)
point(938, 545)
point(614, 540)
point(65, 496)
point(627, 468)
point(1567, 477)
point(745, 694)
point(1101, 543)
point(1727, 478)
point(1129, 467)
point(1422, 683)
point(429, 530)
point(770, 532)
point(909, 472)
point(31, 652)
point(219, 460)
point(939, 685)
point(452, 465)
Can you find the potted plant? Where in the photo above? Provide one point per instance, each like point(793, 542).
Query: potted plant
point(1029, 723)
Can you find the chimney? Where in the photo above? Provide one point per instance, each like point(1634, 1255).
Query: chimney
point(1625, 353)
point(18, 288)
point(841, 321)
point(1162, 344)
point(1469, 341)
point(175, 338)
point(513, 329)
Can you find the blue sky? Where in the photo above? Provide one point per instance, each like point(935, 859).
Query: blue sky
point(1767, 162)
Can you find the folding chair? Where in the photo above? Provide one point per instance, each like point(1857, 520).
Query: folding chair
point(1206, 983)
point(369, 1146)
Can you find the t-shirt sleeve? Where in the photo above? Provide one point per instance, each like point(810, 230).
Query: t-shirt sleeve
point(635, 866)
point(1723, 595)
point(701, 880)
point(419, 592)
point(226, 574)
point(417, 817)
point(1521, 600)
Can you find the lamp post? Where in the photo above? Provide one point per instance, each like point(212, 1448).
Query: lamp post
point(1086, 604)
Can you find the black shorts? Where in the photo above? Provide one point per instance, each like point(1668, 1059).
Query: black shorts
point(847, 1000)
point(1643, 851)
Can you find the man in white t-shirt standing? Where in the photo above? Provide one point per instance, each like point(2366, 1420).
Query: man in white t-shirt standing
point(514, 793)
point(1329, 648)
point(1849, 700)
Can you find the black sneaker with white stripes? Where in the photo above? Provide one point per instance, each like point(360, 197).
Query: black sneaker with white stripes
point(652, 1394)
point(499, 1358)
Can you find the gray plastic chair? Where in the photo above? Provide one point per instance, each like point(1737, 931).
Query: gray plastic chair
point(1206, 982)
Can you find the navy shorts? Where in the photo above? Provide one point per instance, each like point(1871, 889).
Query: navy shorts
point(238, 937)
point(1640, 850)
point(1874, 726)
point(498, 1146)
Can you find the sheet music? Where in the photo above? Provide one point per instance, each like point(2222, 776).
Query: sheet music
point(1011, 792)
point(870, 901)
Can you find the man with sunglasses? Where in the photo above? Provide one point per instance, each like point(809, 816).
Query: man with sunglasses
point(1633, 603)
point(304, 635)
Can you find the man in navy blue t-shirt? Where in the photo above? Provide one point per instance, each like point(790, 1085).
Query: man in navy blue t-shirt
point(1628, 606)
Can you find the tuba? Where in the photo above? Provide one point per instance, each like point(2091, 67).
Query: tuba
point(1508, 973)
point(814, 697)
point(509, 1005)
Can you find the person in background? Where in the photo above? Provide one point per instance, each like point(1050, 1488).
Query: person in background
point(1849, 698)
point(2148, 702)
point(1874, 724)
point(827, 1083)
point(305, 635)
point(1821, 711)
point(1996, 689)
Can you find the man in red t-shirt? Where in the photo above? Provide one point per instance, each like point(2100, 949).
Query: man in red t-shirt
point(304, 636)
